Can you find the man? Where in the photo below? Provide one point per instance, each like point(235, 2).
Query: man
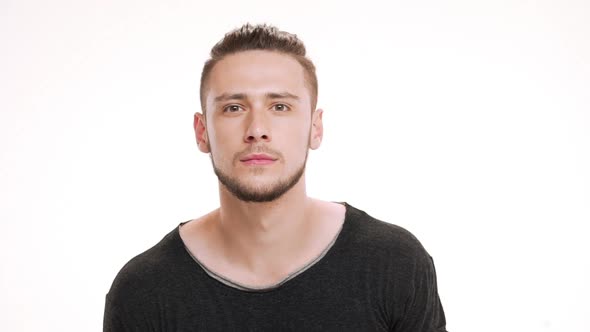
point(270, 258)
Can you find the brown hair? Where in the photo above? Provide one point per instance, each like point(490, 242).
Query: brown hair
point(260, 37)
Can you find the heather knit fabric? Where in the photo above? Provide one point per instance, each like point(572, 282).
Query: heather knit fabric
point(374, 277)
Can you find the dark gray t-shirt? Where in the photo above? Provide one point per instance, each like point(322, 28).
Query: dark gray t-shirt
point(374, 277)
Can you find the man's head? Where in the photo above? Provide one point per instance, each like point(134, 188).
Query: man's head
point(258, 95)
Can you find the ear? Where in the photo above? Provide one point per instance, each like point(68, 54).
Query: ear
point(201, 132)
point(317, 129)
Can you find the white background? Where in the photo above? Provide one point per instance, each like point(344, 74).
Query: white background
point(466, 122)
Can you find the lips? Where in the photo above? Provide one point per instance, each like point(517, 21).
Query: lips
point(257, 156)
point(258, 159)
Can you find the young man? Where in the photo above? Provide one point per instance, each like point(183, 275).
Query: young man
point(270, 258)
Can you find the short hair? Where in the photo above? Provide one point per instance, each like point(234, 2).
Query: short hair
point(261, 37)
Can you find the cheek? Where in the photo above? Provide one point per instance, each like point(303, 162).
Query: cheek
point(296, 138)
point(220, 142)
point(297, 127)
point(222, 132)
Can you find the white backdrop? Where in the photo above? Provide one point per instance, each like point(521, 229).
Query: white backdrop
point(466, 122)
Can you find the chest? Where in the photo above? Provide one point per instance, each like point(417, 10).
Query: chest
point(326, 307)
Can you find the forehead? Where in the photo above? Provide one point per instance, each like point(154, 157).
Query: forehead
point(256, 72)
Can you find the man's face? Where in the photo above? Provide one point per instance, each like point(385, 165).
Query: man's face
point(259, 125)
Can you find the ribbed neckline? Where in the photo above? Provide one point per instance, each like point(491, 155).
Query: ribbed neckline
point(235, 285)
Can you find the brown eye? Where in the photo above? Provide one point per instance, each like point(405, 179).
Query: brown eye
point(232, 108)
point(281, 107)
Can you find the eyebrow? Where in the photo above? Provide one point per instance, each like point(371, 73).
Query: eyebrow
point(282, 95)
point(228, 96)
point(242, 96)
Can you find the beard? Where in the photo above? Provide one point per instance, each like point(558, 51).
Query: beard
point(254, 194)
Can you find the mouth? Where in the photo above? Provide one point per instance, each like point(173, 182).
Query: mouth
point(258, 159)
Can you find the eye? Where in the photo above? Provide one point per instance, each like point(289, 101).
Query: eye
point(232, 109)
point(280, 107)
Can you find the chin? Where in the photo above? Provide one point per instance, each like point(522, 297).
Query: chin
point(266, 186)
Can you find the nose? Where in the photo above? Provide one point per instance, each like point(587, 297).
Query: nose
point(258, 129)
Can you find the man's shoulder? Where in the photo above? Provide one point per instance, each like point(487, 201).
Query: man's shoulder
point(399, 266)
point(144, 272)
point(378, 236)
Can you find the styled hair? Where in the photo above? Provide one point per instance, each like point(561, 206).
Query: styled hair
point(260, 37)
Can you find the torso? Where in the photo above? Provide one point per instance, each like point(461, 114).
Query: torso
point(364, 283)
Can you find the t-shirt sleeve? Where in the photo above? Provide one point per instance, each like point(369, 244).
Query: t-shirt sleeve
point(111, 320)
point(423, 309)
point(129, 305)
point(119, 318)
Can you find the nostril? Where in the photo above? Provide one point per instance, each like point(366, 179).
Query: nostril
point(254, 138)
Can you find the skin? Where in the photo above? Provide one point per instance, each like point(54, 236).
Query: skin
point(258, 101)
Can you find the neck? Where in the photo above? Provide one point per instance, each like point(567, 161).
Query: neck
point(260, 235)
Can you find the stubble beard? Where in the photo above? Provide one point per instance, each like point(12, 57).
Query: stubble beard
point(248, 193)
